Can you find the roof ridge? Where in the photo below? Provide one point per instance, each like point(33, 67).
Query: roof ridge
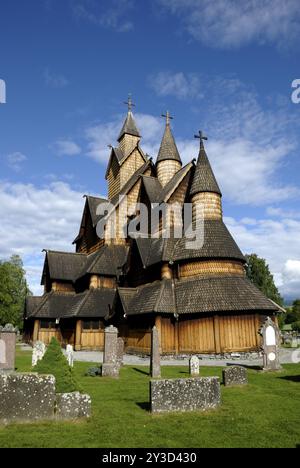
point(184, 170)
point(81, 303)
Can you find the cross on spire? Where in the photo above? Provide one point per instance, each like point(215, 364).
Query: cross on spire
point(168, 117)
point(201, 137)
point(129, 103)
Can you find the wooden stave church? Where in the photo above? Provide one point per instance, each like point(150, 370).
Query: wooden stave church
point(200, 300)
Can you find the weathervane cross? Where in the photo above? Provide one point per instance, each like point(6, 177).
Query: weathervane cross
point(168, 117)
point(129, 103)
point(201, 137)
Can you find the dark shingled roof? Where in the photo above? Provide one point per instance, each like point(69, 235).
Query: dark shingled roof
point(64, 266)
point(172, 185)
point(200, 295)
point(91, 303)
point(93, 203)
point(204, 179)
point(31, 303)
point(152, 187)
point(129, 127)
point(168, 148)
point(109, 260)
point(218, 243)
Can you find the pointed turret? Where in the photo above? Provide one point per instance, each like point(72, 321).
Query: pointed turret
point(205, 189)
point(168, 160)
point(129, 127)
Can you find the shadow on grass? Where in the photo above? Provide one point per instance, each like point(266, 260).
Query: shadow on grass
point(256, 368)
point(144, 405)
point(141, 371)
point(291, 378)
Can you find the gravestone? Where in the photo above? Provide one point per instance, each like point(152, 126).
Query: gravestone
point(120, 351)
point(72, 406)
point(155, 354)
point(70, 355)
point(235, 375)
point(195, 394)
point(7, 347)
point(271, 345)
point(38, 352)
point(194, 366)
point(110, 367)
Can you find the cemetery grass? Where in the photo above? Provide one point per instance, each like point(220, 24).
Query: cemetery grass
point(263, 414)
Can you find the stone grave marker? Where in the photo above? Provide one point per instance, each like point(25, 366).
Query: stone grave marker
point(194, 366)
point(155, 354)
point(7, 347)
point(120, 351)
point(235, 375)
point(70, 355)
point(38, 352)
point(271, 345)
point(110, 367)
point(193, 394)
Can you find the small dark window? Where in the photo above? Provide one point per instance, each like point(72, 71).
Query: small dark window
point(95, 325)
point(86, 325)
point(46, 324)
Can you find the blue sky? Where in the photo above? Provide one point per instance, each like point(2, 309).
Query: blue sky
point(224, 66)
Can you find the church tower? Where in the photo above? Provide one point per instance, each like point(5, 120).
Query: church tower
point(205, 189)
point(127, 157)
point(168, 160)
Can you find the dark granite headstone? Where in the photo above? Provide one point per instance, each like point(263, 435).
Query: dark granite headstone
point(235, 375)
point(193, 394)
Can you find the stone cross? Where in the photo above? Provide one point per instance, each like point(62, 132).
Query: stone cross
point(7, 347)
point(70, 355)
point(110, 367)
point(271, 345)
point(194, 366)
point(155, 354)
point(38, 352)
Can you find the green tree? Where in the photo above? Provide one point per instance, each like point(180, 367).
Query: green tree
point(55, 363)
point(13, 290)
point(259, 273)
point(293, 315)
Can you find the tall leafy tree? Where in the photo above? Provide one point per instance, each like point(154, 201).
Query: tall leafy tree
point(293, 315)
point(13, 290)
point(258, 272)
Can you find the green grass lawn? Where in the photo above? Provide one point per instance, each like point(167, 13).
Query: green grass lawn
point(266, 413)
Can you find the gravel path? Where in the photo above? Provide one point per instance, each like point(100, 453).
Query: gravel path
point(130, 359)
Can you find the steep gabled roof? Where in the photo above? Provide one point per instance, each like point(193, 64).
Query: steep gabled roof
point(121, 157)
point(168, 149)
point(129, 127)
point(64, 266)
point(204, 179)
point(173, 184)
point(152, 187)
point(109, 260)
point(91, 204)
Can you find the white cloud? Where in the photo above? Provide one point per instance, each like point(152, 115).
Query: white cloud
point(282, 213)
point(66, 148)
point(234, 23)
point(36, 218)
point(15, 160)
point(108, 14)
point(55, 80)
point(180, 85)
point(277, 241)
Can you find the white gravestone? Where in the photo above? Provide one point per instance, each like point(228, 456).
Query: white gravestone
point(70, 355)
point(38, 352)
point(271, 345)
point(194, 365)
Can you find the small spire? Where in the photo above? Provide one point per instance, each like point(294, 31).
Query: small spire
point(168, 117)
point(129, 126)
point(204, 179)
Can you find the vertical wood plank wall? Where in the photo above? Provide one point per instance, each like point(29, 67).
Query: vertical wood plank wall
point(92, 339)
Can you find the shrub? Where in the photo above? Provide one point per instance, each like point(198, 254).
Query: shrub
point(55, 363)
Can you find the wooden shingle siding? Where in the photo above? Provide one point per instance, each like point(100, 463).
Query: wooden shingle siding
point(166, 170)
point(211, 267)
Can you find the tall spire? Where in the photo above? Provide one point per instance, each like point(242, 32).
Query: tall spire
point(168, 149)
point(204, 179)
point(129, 126)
